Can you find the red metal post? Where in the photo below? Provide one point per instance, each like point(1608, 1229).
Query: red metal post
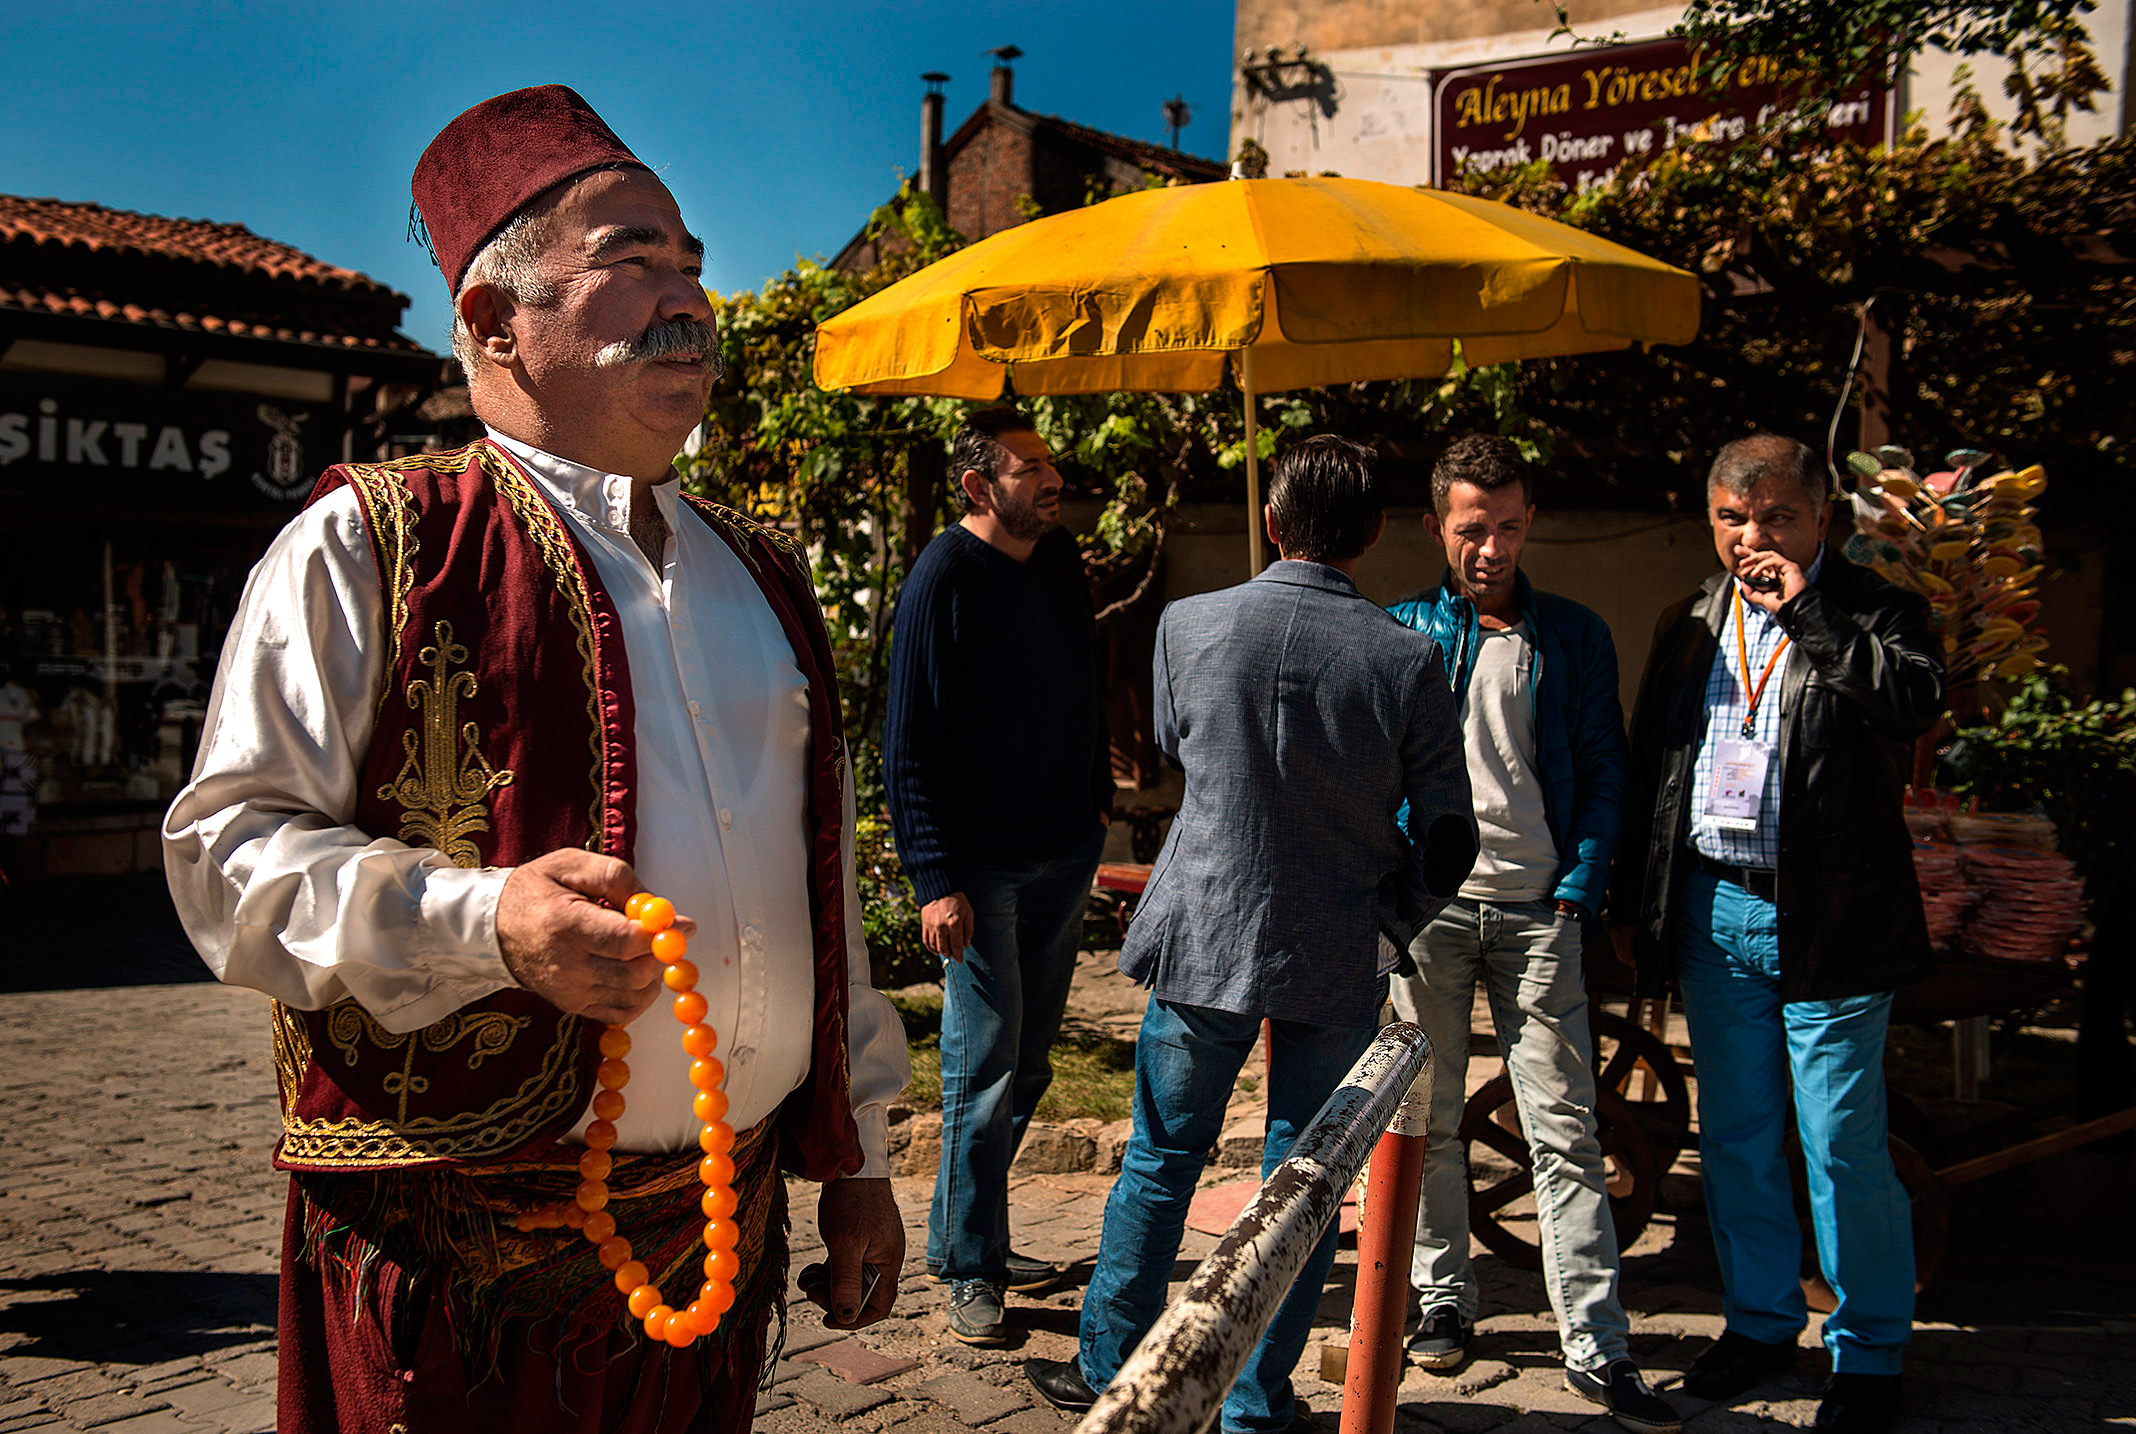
point(1386, 1234)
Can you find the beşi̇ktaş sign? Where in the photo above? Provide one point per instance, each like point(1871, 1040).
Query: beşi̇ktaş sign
point(142, 440)
point(1587, 112)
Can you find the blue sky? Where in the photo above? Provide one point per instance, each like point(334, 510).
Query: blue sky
point(778, 125)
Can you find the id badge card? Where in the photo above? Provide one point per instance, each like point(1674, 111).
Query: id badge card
point(1738, 789)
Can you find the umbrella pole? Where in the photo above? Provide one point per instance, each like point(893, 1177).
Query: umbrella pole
point(1254, 523)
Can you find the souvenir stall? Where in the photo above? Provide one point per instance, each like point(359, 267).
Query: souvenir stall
point(169, 389)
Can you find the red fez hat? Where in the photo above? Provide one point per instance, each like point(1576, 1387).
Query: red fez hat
point(488, 164)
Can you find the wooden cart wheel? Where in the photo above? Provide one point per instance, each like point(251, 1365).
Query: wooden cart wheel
point(1501, 1172)
point(1625, 1050)
point(1910, 1123)
point(1931, 1220)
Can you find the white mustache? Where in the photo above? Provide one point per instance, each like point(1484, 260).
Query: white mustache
point(666, 339)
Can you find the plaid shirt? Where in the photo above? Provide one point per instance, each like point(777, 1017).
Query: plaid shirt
point(1725, 704)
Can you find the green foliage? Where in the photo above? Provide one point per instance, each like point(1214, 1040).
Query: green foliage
point(2077, 760)
point(1830, 47)
point(837, 470)
point(1093, 1074)
point(2024, 353)
point(889, 916)
point(2017, 351)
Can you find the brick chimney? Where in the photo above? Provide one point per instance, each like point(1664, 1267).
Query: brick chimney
point(934, 166)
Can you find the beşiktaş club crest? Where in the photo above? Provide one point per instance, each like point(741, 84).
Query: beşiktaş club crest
point(284, 477)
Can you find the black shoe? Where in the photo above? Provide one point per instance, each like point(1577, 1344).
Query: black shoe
point(1061, 1384)
point(1441, 1340)
point(1026, 1275)
point(1733, 1363)
point(975, 1313)
point(1618, 1388)
point(1859, 1404)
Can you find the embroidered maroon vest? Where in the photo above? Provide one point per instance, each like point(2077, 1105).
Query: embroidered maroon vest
point(505, 731)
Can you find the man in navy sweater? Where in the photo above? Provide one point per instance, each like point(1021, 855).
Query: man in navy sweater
point(999, 777)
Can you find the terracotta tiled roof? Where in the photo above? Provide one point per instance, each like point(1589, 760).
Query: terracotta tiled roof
point(1171, 163)
point(85, 260)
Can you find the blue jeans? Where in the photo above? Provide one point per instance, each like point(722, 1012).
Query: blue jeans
point(1527, 959)
point(1748, 1044)
point(1187, 1060)
point(1001, 1010)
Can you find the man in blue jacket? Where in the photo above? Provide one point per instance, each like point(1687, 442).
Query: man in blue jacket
point(1535, 678)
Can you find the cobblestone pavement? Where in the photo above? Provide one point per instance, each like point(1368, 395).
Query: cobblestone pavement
point(139, 1224)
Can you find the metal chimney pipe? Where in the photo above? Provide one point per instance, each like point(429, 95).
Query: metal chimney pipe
point(1004, 79)
point(934, 168)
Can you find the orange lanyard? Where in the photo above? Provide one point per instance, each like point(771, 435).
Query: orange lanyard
point(1754, 694)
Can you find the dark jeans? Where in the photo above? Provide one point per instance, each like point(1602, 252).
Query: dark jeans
point(1187, 1059)
point(1001, 1010)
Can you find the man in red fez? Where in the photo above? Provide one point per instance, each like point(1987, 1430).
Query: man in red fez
point(471, 703)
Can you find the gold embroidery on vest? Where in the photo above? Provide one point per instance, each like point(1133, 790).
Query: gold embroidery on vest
point(443, 786)
point(548, 1094)
point(745, 527)
point(547, 531)
point(390, 510)
point(357, 1143)
point(351, 1028)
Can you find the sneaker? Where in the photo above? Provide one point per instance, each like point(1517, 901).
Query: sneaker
point(976, 1315)
point(1026, 1275)
point(1618, 1387)
point(1441, 1340)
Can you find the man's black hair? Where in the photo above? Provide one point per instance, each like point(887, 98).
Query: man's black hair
point(1325, 500)
point(1481, 460)
point(977, 446)
point(1744, 464)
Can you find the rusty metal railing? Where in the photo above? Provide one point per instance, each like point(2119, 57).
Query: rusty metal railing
point(1176, 1379)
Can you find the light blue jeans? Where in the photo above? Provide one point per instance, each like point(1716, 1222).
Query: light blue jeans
point(1527, 959)
point(1748, 1044)
point(1187, 1059)
point(1001, 1011)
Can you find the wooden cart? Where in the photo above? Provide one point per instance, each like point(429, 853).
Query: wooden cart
point(1645, 1116)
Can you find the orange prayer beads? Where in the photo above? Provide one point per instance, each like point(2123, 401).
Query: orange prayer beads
point(586, 1211)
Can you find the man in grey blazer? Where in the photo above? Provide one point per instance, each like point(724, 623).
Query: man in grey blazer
point(1305, 718)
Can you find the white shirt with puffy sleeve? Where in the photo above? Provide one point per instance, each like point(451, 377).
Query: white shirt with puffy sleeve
point(282, 894)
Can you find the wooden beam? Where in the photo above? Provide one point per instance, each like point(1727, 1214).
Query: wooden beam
point(2025, 1152)
point(1883, 370)
point(926, 471)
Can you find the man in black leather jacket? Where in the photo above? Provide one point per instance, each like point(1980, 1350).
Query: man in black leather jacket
point(1770, 745)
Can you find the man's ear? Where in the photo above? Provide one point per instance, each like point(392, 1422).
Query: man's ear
point(1433, 529)
point(976, 491)
point(1268, 524)
point(487, 313)
point(1379, 530)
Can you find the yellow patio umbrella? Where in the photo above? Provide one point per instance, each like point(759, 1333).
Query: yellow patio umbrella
point(1296, 282)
